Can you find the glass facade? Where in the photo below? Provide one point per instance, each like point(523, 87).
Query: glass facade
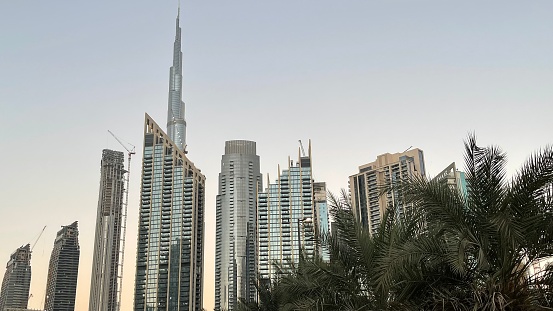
point(236, 236)
point(171, 227)
point(176, 124)
point(287, 218)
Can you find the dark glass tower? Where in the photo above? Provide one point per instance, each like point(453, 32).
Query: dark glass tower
point(169, 260)
point(17, 280)
point(236, 240)
point(63, 270)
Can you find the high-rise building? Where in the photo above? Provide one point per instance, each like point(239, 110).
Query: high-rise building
point(366, 186)
point(104, 282)
point(236, 239)
point(169, 261)
point(454, 178)
point(63, 270)
point(176, 124)
point(17, 280)
point(287, 218)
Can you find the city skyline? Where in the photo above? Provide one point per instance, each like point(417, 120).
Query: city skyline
point(449, 68)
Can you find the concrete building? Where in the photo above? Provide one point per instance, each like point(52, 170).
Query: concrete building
point(104, 282)
point(236, 240)
point(454, 178)
point(63, 270)
point(17, 280)
point(366, 186)
point(170, 248)
point(287, 219)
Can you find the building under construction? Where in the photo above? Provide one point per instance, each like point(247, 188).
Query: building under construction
point(106, 262)
point(63, 270)
point(17, 280)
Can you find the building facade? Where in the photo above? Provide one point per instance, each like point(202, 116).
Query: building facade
point(321, 210)
point(17, 280)
point(63, 270)
point(236, 230)
point(454, 178)
point(104, 282)
point(169, 261)
point(366, 186)
point(287, 219)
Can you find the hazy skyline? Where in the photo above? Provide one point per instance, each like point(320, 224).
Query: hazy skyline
point(421, 73)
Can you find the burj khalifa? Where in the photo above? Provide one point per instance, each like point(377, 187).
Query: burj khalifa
point(176, 125)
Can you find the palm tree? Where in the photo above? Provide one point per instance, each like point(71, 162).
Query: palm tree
point(477, 249)
point(449, 251)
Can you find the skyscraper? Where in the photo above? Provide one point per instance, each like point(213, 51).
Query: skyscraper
point(63, 270)
point(236, 240)
point(17, 280)
point(169, 260)
point(287, 219)
point(107, 241)
point(176, 124)
point(365, 187)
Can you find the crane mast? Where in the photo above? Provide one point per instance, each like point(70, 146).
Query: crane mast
point(130, 152)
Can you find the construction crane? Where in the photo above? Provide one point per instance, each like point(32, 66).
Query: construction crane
point(130, 152)
point(301, 146)
point(39, 235)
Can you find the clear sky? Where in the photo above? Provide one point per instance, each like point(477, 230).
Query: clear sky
point(357, 77)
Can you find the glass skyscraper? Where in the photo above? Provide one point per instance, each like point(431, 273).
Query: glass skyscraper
point(17, 280)
point(170, 246)
point(107, 241)
point(236, 239)
point(63, 270)
point(287, 218)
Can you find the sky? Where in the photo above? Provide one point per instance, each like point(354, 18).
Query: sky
point(358, 78)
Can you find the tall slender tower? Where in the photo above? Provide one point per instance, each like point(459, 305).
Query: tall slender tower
point(236, 240)
point(170, 246)
point(17, 280)
point(176, 125)
point(105, 262)
point(63, 270)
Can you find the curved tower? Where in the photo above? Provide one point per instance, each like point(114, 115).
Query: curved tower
point(236, 240)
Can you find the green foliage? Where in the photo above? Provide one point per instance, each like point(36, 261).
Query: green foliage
point(448, 252)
